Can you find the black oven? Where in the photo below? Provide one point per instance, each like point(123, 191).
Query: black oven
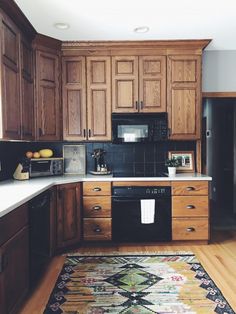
point(139, 127)
point(127, 221)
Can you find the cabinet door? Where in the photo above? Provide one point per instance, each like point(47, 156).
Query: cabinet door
point(14, 274)
point(47, 96)
point(184, 83)
point(68, 215)
point(74, 98)
point(99, 98)
point(152, 83)
point(10, 80)
point(125, 84)
point(27, 91)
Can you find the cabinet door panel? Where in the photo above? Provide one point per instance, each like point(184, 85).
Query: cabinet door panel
point(99, 98)
point(124, 84)
point(48, 105)
point(184, 84)
point(10, 80)
point(68, 215)
point(15, 276)
point(152, 83)
point(74, 98)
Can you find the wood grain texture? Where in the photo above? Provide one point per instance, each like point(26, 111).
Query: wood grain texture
point(219, 94)
point(189, 187)
point(183, 96)
point(190, 229)
point(190, 206)
point(96, 206)
point(99, 98)
point(97, 229)
point(74, 98)
point(96, 188)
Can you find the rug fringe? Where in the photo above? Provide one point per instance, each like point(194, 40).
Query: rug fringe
point(129, 253)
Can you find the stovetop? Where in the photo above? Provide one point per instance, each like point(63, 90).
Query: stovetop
point(158, 174)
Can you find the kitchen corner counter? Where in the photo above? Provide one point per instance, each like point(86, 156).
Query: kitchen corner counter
point(15, 193)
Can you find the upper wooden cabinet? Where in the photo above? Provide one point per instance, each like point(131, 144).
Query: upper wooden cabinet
point(17, 82)
point(138, 84)
point(184, 96)
point(86, 98)
point(47, 95)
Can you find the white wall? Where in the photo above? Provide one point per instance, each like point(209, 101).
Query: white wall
point(219, 71)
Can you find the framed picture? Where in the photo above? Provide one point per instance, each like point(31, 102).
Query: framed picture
point(74, 159)
point(186, 160)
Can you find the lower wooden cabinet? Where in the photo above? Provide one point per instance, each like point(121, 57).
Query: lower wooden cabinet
point(14, 260)
point(97, 211)
point(190, 210)
point(68, 213)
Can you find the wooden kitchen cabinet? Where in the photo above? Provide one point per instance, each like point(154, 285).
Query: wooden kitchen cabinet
point(190, 210)
point(14, 259)
point(97, 211)
point(47, 90)
point(86, 98)
point(17, 82)
point(184, 96)
point(138, 84)
point(68, 215)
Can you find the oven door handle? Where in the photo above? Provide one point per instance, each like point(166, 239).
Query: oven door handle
point(125, 200)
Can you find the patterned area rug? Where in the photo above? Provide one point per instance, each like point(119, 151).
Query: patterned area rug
point(154, 283)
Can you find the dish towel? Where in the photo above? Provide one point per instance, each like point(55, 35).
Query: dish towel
point(147, 211)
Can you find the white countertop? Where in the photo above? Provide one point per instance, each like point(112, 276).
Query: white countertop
point(14, 193)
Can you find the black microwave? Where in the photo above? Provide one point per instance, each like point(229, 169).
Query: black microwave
point(139, 127)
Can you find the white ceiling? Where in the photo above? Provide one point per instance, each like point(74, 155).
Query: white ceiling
point(116, 20)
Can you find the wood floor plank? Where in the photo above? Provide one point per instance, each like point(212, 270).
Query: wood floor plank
point(218, 258)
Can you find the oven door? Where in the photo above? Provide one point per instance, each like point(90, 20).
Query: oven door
point(40, 168)
point(127, 225)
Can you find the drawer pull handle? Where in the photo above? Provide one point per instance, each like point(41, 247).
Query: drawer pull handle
point(190, 188)
point(190, 206)
point(97, 189)
point(97, 207)
point(97, 229)
point(190, 229)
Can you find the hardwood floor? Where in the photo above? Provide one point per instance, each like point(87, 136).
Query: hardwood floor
point(218, 259)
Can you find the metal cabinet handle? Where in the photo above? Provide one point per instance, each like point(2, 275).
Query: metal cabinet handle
point(97, 229)
point(190, 188)
point(141, 104)
point(97, 207)
point(190, 229)
point(89, 133)
point(136, 105)
point(40, 132)
point(84, 131)
point(190, 206)
point(97, 189)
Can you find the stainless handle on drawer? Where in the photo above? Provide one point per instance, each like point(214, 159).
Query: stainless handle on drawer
point(190, 229)
point(97, 229)
point(97, 207)
point(190, 188)
point(97, 189)
point(190, 206)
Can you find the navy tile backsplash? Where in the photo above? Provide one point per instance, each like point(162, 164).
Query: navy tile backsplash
point(124, 158)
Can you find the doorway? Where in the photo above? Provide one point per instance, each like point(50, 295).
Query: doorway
point(219, 158)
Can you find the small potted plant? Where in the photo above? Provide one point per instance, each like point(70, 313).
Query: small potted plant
point(172, 164)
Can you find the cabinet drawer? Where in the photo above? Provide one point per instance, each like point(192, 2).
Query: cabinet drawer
point(190, 229)
point(97, 206)
point(97, 188)
point(96, 229)
point(189, 188)
point(189, 206)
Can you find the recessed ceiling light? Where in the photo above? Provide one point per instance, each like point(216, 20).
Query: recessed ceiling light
point(141, 29)
point(62, 25)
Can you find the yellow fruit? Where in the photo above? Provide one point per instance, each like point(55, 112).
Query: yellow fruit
point(29, 154)
point(46, 153)
point(36, 155)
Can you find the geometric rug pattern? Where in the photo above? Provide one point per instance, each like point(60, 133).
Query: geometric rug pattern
point(147, 284)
